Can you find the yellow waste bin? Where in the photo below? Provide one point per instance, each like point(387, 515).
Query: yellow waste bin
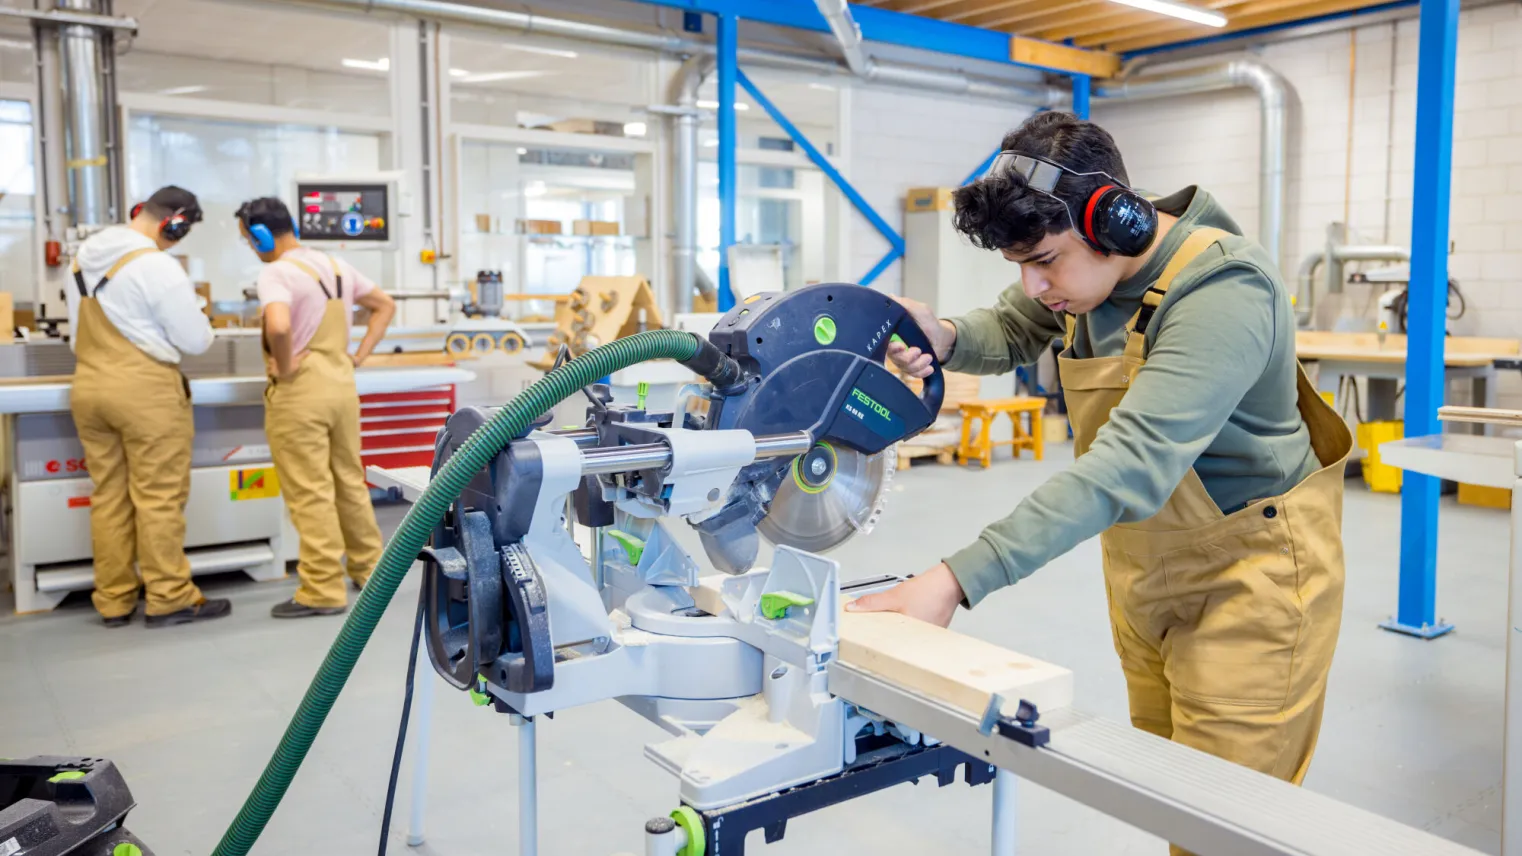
point(1380, 477)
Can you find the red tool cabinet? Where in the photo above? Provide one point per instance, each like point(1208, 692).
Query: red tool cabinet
point(397, 429)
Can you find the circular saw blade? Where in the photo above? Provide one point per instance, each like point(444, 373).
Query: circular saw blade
point(817, 520)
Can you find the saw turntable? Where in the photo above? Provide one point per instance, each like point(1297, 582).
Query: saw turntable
point(774, 700)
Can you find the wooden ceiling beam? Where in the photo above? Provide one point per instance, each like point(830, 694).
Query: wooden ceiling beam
point(1122, 20)
point(1187, 31)
point(920, 7)
point(1063, 57)
point(974, 13)
point(1254, 10)
point(1036, 12)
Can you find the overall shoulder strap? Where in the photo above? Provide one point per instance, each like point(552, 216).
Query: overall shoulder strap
point(338, 277)
point(311, 272)
point(79, 278)
point(1198, 242)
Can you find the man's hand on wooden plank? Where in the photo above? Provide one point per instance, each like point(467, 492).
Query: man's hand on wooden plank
point(932, 597)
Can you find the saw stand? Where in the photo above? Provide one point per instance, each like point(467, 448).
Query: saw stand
point(886, 758)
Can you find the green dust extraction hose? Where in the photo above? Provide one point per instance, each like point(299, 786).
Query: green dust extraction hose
point(413, 533)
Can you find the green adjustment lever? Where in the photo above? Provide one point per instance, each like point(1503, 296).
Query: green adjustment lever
point(775, 604)
point(633, 547)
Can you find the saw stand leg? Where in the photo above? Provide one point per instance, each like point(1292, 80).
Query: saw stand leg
point(528, 787)
point(663, 837)
point(422, 734)
point(1004, 813)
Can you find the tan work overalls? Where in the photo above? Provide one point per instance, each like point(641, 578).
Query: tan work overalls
point(1225, 624)
point(134, 420)
point(312, 422)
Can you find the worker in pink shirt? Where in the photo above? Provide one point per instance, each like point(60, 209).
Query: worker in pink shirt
point(311, 407)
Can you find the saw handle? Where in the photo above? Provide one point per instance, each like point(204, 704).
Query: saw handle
point(933, 391)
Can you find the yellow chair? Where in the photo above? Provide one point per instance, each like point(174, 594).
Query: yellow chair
point(984, 411)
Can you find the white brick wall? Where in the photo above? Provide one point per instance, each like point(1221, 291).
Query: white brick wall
point(1211, 140)
point(905, 139)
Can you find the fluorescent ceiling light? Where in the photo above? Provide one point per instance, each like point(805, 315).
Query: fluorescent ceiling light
point(635, 129)
point(493, 76)
point(15, 44)
point(522, 150)
point(183, 90)
point(458, 72)
point(1179, 10)
point(710, 144)
point(714, 105)
point(382, 64)
point(541, 51)
point(534, 188)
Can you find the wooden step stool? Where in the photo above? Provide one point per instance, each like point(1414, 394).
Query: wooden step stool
point(984, 411)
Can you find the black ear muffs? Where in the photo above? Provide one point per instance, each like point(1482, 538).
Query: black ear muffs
point(1117, 220)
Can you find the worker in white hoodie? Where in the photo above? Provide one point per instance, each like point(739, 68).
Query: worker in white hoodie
point(133, 312)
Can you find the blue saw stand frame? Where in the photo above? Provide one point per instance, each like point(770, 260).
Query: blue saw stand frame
point(1416, 607)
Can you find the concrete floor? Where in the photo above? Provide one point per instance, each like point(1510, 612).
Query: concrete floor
point(1412, 731)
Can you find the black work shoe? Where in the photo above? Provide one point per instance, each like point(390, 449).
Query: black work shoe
point(358, 586)
point(292, 609)
point(118, 620)
point(203, 611)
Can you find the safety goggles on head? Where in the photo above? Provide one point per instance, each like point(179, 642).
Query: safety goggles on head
point(1115, 219)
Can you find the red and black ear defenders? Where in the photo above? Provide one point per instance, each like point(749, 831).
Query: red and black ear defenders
point(174, 227)
point(1113, 220)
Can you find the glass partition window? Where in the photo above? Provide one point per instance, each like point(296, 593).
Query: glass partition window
point(226, 163)
point(776, 206)
point(520, 209)
point(19, 241)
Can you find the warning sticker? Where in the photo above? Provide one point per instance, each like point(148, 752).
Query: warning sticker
point(75, 502)
point(254, 483)
point(10, 847)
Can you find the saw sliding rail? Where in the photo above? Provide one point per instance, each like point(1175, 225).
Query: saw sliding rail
point(1184, 796)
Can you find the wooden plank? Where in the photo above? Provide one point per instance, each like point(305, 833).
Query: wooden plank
point(1091, 24)
point(1063, 58)
point(1458, 351)
point(948, 666)
point(1464, 458)
point(7, 318)
point(1480, 415)
point(411, 358)
point(1132, 24)
point(934, 661)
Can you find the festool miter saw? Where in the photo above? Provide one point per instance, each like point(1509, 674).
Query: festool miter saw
point(792, 440)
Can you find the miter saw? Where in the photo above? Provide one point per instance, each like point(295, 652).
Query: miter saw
point(796, 446)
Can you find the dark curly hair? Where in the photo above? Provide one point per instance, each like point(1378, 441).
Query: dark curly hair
point(999, 212)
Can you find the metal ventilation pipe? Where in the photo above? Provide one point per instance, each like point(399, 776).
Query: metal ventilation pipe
point(85, 122)
point(684, 93)
point(837, 13)
point(1273, 96)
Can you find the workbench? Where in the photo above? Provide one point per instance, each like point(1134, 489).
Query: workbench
point(1490, 462)
point(235, 518)
point(1382, 360)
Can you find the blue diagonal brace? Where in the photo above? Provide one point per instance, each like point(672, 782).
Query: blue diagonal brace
point(888, 232)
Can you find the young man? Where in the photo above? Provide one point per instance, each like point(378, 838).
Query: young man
point(133, 312)
point(311, 408)
point(1206, 463)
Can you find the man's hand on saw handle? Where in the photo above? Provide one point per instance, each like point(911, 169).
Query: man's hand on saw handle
point(932, 596)
point(942, 335)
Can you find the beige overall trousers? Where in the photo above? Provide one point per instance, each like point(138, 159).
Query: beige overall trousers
point(312, 422)
point(1225, 624)
point(133, 416)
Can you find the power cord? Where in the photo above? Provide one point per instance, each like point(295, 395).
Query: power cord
point(401, 731)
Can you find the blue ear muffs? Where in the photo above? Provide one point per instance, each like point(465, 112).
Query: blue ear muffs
point(264, 242)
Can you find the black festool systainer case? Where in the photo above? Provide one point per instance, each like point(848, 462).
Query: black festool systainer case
point(52, 805)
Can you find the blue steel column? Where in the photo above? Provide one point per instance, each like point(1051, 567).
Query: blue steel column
point(728, 48)
point(1081, 96)
point(1416, 609)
